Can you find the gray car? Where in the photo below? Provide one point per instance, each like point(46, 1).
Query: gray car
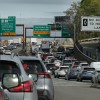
point(26, 89)
point(45, 86)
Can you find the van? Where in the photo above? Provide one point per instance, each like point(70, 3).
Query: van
point(95, 65)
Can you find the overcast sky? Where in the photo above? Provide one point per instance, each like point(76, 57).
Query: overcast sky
point(34, 8)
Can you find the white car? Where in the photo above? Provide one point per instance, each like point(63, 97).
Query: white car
point(57, 62)
point(61, 71)
point(2, 49)
point(7, 52)
point(82, 65)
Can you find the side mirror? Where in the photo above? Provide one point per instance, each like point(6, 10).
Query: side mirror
point(10, 80)
point(33, 77)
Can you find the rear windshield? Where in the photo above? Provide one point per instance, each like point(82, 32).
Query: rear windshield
point(8, 67)
point(89, 69)
point(76, 63)
point(32, 66)
point(48, 66)
point(64, 68)
point(85, 65)
point(67, 61)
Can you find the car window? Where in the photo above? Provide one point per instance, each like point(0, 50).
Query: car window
point(67, 61)
point(32, 66)
point(8, 67)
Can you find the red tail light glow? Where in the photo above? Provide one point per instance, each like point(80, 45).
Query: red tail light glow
point(24, 87)
point(46, 74)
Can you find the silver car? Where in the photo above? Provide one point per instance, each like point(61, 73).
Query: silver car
point(96, 77)
point(26, 90)
point(45, 86)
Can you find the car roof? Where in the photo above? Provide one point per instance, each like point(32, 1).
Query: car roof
point(9, 58)
point(84, 63)
point(29, 58)
point(64, 66)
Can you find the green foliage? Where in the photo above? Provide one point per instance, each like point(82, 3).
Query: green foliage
point(84, 8)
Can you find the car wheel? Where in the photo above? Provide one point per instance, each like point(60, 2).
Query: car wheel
point(65, 77)
point(77, 80)
point(80, 80)
point(91, 80)
point(68, 78)
point(55, 76)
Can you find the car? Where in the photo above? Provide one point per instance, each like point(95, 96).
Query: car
point(85, 75)
point(83, 65)
point(76, 64)
point(3, 95)
point(14, 79)
point(33, 64)
point(49, 58)
point(7, 52)
point(96, 77)
point(2, 49)
point(57, 62)
point(71, 74)
point(61, 71)
point(67, 62)
point(95, 65)
point(51, 67)
point(60, 55)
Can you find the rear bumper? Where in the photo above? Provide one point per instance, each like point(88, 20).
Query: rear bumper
point(86, 78)
point(44, 95)
point(73, 76)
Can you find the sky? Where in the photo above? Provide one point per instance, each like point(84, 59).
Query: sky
point(34, 8)
point(33, 12)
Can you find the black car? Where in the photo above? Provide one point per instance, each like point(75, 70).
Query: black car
point(71, 74)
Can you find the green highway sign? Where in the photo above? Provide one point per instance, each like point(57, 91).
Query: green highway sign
point(41, 31)
point(8, 26)
point(65, 31)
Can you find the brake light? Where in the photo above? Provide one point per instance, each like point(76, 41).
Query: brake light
point(46, 74)
point(24, 87)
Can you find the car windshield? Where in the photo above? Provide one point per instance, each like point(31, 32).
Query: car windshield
point(32, 66)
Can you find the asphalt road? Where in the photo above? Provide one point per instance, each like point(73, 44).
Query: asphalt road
point(72, 90)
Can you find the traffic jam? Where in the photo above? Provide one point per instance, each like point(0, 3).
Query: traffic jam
point(31, 77)
point(49, 49)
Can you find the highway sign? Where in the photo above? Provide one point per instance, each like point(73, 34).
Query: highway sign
point(8, 26)
point(41, 31)
point(65, 31)
point(90, 23)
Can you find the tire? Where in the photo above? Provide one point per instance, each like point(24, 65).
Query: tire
point(80, 80)
point(68, 78)
point(55, 76)
point(65, 77)
point(77, 80)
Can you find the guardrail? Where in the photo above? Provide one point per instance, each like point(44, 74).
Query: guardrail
point(90, 39)
point(79, 51)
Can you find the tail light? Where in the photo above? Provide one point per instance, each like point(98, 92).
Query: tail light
point(45, 74)
point(24, 87)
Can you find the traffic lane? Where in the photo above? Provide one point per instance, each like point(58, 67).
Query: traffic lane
point(72, 90)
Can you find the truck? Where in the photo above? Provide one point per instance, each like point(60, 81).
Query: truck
point(45, 46)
